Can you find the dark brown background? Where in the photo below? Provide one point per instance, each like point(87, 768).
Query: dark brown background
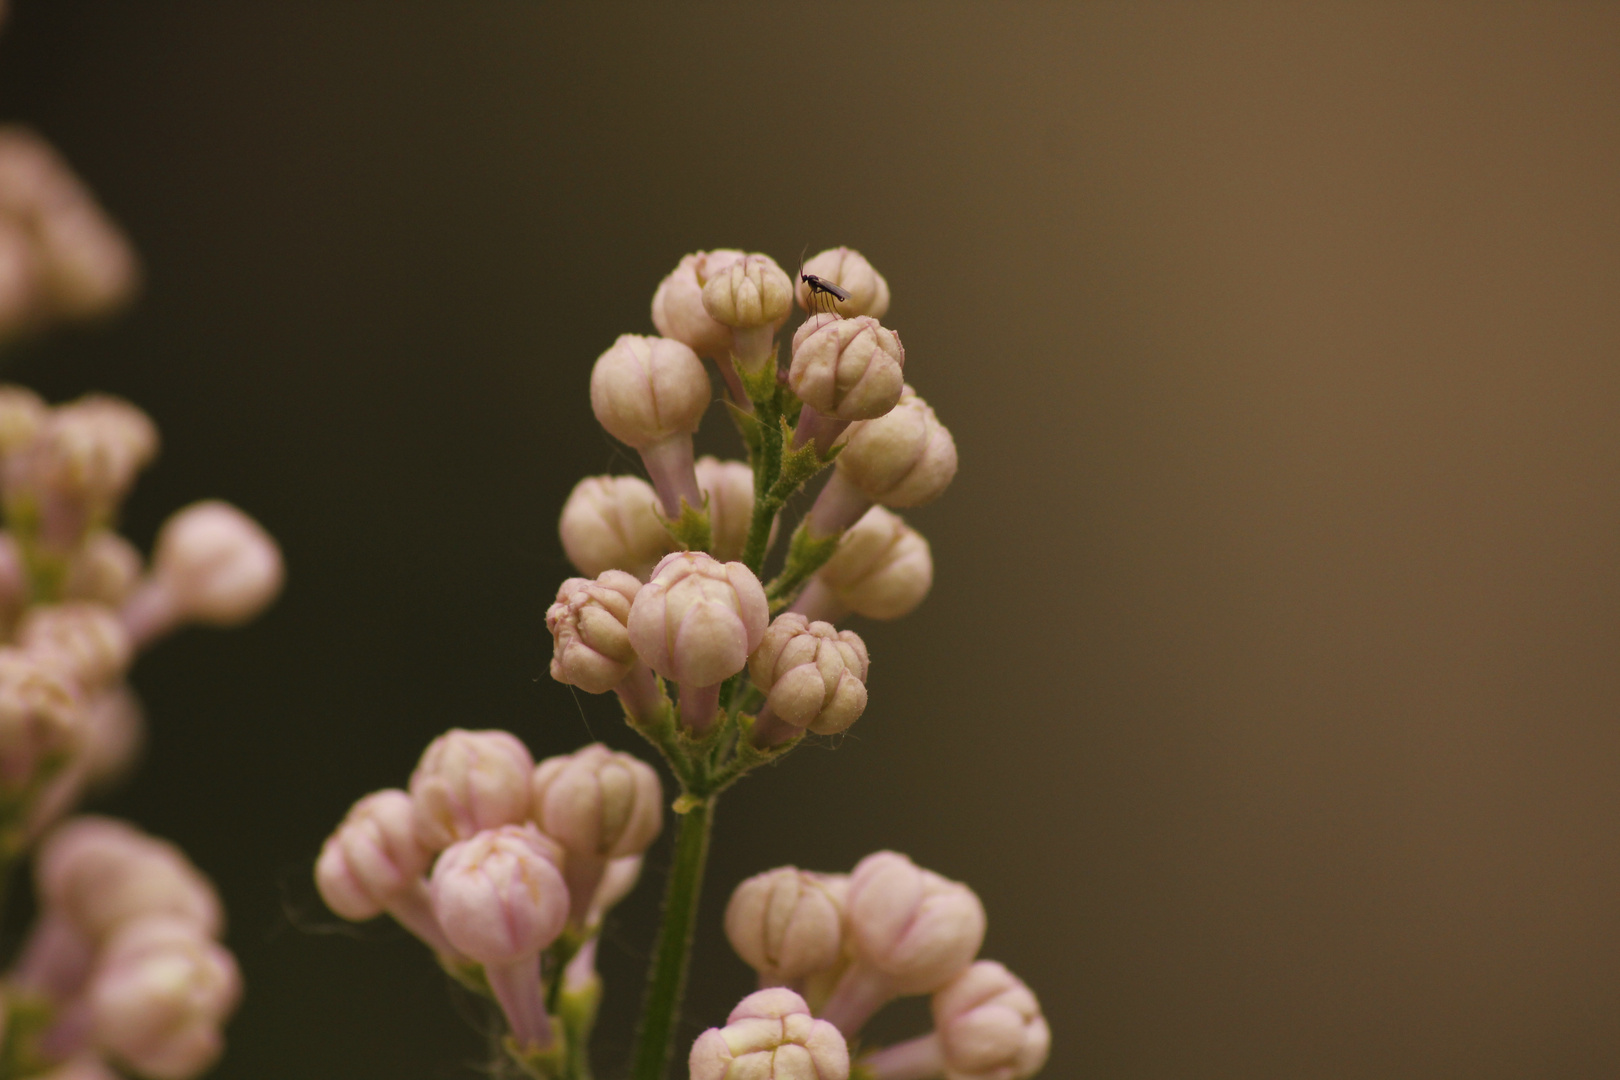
point(1269, 691)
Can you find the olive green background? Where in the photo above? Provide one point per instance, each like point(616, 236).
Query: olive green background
point(1269, 693)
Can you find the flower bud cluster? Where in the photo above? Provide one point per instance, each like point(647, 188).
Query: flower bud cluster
point(491, 860)
point(851, 943)
point(126, 953)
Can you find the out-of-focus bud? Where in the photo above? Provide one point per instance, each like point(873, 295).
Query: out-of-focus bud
point(21, 413)
point(469, 781)
point(910, 930)
point(213, 564)
point(645, 390)
point(502, 901)
point(608, 523)
point(13, 579)
point(785, 924)
point(114, 729)
point(87, 1066)
point(159, 996)
point(677, 306)
point(599, 805)
point(990, 1026)
point(848, 369)
point(748, 292)
point(696, 622)
point(848, 269)
point(89, 266)
point(21, 300)
point(85, 640)
point(372, 857)
point(882, 569)
point(78, 467)
point(770, 1035)
point(41, 718)
point(105, 569)
point(617, 882)
point(102, 873)
point(904, 458)
point(591, 644)
point(729, 486)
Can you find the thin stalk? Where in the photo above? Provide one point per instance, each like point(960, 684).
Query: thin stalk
point(667, 981)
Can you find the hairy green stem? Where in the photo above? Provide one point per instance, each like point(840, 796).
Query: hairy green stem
point(667, 981)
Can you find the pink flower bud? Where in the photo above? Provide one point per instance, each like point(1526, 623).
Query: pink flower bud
point(608, 523)
point(990, 1026)
point(847, 268)
point(813, 673)
point(598, 803)
point(41, 718)
point(618, 880)
point(786, 924)
point(469, 781)
point(904, 458)
point(747, 293)
point(21, 413)
point(213, 564)
point(645, 390)
point(13, 579)
point(114, 729)
point(89, 266)
point(79, 466)
point(729, 486)
point(848, 369)
point(103, 873)
point(22, 300)
point(882, 569)
point(771, 1035)
point(677, 307)
point(105, 568)
point(85, 640)
point(159, 996)
point(591, 644)
point(372, 857)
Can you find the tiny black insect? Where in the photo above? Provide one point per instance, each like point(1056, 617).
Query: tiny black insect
point(821, 287)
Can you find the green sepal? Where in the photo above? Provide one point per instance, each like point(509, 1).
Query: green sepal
point(760, 386)
point(797, 466)
point(805, 555)
point(691, 529)
point(548, 1064)
point(470, 974)
point(26, 1016)
point(748, 426)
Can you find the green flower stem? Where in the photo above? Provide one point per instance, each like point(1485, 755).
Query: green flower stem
point(667, 982)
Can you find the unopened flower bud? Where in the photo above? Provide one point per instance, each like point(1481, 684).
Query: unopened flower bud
point(469, 781)
point(848, 369)
point(13, 579)
point(89, 266)
point(729, 486)
point(501, 900)
point(213, 564)
point(105, 568)
point(904, 458)
point(785, 924)
point(882, 569)
point(608, 523)
point(86, 640)
point(848, 269)
point(645, 390)
point(21, 413)
point(374, 857)
point(114, 729)
point(910, 930)
point(696, 622)
point(591, 644)
point(78, 467)
point(599, 805)
point(677, 306)
point(160, 994)
point(103, 873)
point(748, 292)
point(618, 880)
point(41, 718)
point(814, 675)
point(990, 1026)
point(770, 1035)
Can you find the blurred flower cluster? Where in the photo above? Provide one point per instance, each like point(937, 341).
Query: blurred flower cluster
point(505, 869)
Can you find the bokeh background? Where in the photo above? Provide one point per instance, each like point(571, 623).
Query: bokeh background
point(1269, 694)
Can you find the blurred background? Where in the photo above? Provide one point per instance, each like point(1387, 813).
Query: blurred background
point(1269, 691)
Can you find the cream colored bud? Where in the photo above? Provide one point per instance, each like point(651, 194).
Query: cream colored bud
point(21, 413)
point(729, 486)
point(41, 718)
point(882, 569)
point(814, 675)
point(770, 1035)
point(990, 1026)
point(904, 458)
point(786, 924)
point(598, 803)
point(850, 369)
point(749, 292)
point(103, 873)
point(645, 390)
point(698, 619)
point(918, 929)
point(608, 523)
point(591, 644)
point(848, 269)
point(469, 781)
point(105, 569)
point(216, 564)
point(86, 640)
point(677, 307)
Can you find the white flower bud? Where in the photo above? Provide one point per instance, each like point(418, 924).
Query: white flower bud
point(591, 644)
point(747, 293)
point(848, 369)
point(598, 803)
point(917, 928)
point(216, 565)
point(645, 390)
point(729, 486)
point(469, 781)
point(848, 269)
point(21, 413)
point(41, 717)
point(103, 873)
point(698, 619)
point(372, 857)
point(608, 523)
point(814, 675)
point(677, 306)
point(770, 1035)
point(904, 458)
point(882, 569)
point(990, 1026)
point(85, 640)
point(105, 568)
point(786, 924)
point(160, 994)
